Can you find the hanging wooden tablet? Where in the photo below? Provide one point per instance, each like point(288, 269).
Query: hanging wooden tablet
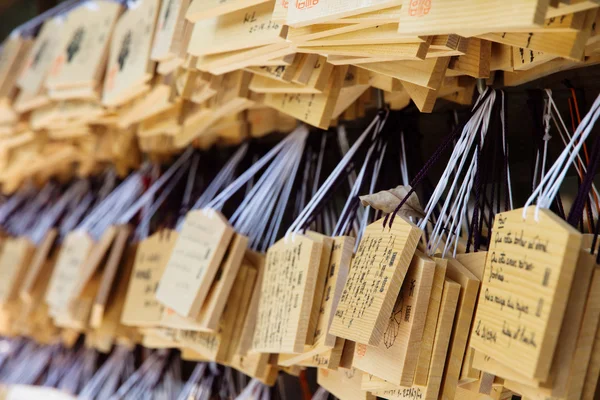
point(343, 383)
point(81, 59)
point(288, 288)
point(374, 281)
point(37, 66)
point(462, 324)
point(427, 18)
point(109, 328)
point(129, 65)
point(15, 257)
point(337, 269)
point(475, 263)
point(443, 329)
point(302, 13)
point(196, 257)
point(111, 268)
point(38, 263)
point(563, 361)
point(314, 109)
point(329, 359)
point(243, 29)
point(433, 310)
point(12, 61)
point(216, 345)
point(73, 253)
point(524, 316)
point(200, 9)
point(94, 261)
point(169, 30)
point(593, 370)
point(394, 359)
point(221, 287)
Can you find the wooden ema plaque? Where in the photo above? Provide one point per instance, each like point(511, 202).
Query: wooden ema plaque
point(14, 260)
point(336, 272)
point(81, 60)
point(454, 16)
point(433, 309)
point(38, 262)
point(315, 109)
point(469, 289)
point(141, 307)
point(200, 9)
point(170, 28)
point(219, 291)
point(377, 272)
point(217, 346)
point(243, 29)
point(129, 65)
point(528, 275)
point(395, 358)
point(73, 253)
point(40, 58)
point(443, 329)
point(196, 257)
point(561, 363)
point(308, 12)
point(288, 288)
point(343, 383)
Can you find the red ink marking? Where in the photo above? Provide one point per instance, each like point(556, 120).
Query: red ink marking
point(306, 4)
point(419, 8)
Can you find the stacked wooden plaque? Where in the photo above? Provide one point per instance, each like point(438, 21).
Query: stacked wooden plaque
point(158, 75)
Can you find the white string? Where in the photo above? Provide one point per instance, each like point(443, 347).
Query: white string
point(547, 189)
point(505, 149)
point(313, 203)
point(219, 201)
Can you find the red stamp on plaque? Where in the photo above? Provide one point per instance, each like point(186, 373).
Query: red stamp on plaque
point(361, 349)
point(305, 4)
point(284, 3)
point(419, 8)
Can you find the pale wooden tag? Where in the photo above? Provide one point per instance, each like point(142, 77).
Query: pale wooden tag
point(213, 306)
point(108, 275)
point(314, 109)
point(216, 345)
point(475, 263)
point(337, 269)
point(377, 272)
point(526, 258)
point(36, 266)
point(329, 359)
point(440, 347)
point(73, 253)
point(41, 56)
point(288, 287)
point(243, 29)
point(469, 289)
point(108, 328)
point(308, 12)
point(195, 259)
point(569, 361)
point(81, 59)
point(141, 307)
point(247, 333)
point(129, 64)
point(170, 28)
point(433, 310)
point(432, 18)
point(15, 257)
point(200, 9)
point(395, 358)
point(343, 383)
